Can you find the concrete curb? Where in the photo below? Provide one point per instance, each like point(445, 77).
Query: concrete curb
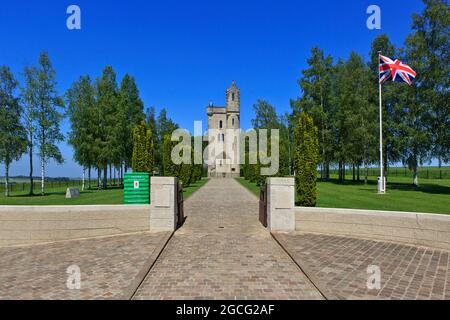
point(131, 290)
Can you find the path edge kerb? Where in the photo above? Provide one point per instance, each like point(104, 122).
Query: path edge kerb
point(131, 290)
point(321, 287)
point(196, 191)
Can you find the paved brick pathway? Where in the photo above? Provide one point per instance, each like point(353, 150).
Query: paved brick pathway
point(338, 266)
point(108, 267)
point(222, 252)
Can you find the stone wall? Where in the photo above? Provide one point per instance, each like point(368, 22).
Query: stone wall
point(422, 229)
point(36, 224)
point(414, 228)
point(21, 225)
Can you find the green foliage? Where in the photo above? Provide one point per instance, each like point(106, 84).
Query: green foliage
point(106, 107)
point(81, 108)
point(168, 165)
point(43, 114)
point(306, 160)
point(317, 101)
point(129, 114)
point(267, 118)
point(143, 148)
point(164, 127)
point(12, 133)
point(426, 104)
point(187, 173)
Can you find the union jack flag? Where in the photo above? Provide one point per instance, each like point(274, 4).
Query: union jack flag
point(395, 71)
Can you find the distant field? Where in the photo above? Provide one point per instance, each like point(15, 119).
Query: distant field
point(431, 196)
point(56, 196)
point(422, 172)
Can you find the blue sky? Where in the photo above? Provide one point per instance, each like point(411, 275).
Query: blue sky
point(184, 54)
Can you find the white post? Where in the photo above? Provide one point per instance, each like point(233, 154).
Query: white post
point(281, 204)
point(163, 204)
point(381, 184)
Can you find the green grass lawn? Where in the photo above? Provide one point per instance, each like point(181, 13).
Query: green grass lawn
point(56, 196)
point(431, 196)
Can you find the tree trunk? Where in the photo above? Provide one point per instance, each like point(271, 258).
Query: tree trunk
point(99, 176)
point(6, 179)
point(110, 174)
point(358, 173)
point(105, 176)
point(366, 173)
point(42, 176)
point(89, 178)
point(31, 169)
point(415, 177)
point(354, 173)
point(440, 168)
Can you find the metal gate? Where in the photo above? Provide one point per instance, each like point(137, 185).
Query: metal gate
point(180, 210)
point(263, 205)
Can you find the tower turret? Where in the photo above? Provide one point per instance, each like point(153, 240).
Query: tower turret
point(233, 98)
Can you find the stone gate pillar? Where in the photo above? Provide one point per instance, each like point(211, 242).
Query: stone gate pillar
point(163, 204)
point(281, 204)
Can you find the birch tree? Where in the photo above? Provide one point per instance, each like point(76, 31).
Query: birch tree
point(12, 133)
point(47, 114)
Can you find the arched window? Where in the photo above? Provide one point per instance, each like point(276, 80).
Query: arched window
point(223, 137)
point(232, 96)
point(232, 121)
point(220, 124)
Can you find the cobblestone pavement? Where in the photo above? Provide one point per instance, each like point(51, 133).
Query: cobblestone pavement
point(108, 266)
point(222, 252)
point(338, 265)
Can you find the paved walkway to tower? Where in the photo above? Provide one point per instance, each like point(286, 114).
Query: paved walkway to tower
point(223, 252)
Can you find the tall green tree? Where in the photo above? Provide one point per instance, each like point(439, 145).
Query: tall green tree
point(30, 100)
point(164, 127)
point(129, 114)
point(44, 113)
point(340, 117)
point(170, 169)
point(306, 160)
point(150, 117)
point(430, 43)
point(12, 133)
point(106, 145)
point(316, 100)
point(416, 131)
point(360, 115)
point(266, 118)
point(143, 148)
point(81, 106)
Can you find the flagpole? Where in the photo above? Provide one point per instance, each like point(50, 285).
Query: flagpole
point(382, 187)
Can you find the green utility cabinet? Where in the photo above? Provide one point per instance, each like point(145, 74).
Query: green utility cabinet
point(136, 188)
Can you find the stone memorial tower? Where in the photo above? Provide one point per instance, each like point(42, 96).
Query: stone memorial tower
point(223, 136)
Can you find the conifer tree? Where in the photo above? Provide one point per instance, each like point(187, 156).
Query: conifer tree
point(306, 160)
